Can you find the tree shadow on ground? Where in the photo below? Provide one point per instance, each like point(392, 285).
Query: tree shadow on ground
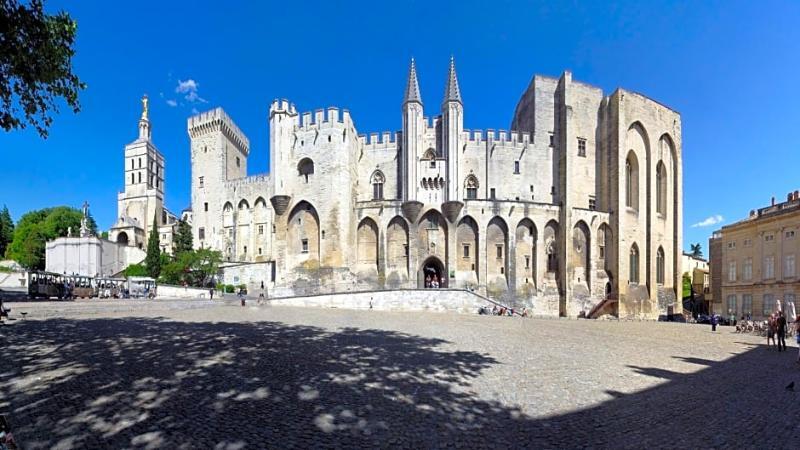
point(155, 383)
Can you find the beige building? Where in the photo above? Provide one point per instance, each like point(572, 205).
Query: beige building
point(576, 210)
point(754, 261)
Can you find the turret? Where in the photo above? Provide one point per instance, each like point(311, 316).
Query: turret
point(413, 134)
point(452, 128)
point(282, 121)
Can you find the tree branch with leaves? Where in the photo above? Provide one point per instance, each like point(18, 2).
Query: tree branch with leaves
point(36, 51)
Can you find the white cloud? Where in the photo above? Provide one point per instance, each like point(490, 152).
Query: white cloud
point(712, 220)
point(195, 111)
point(189, 88)
point(172, 103)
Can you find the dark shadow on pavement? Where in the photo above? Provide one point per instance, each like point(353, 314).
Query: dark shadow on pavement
point(155, 383)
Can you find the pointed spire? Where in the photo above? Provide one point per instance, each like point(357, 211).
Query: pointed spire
point(451, 92)
point(412, 86)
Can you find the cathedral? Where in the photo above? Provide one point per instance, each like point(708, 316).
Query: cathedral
point(575, 211)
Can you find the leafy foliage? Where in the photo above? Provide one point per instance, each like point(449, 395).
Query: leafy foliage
point(697, 250)
point(183, 238)
point(136, 270)
point(6, 230)
point(37, 227)
point(153, 258)
point(36, 51)
point(687, 285)
point(195, 268)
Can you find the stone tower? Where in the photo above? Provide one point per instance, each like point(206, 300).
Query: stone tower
point(413, 136)
point(143, 197)
point(452, 126)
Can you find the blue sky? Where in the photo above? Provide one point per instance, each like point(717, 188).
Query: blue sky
point(730, 68)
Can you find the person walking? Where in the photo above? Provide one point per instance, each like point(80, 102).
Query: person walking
point(211, 293)
point(781, 329)
point(770, 330)
point(713, 322)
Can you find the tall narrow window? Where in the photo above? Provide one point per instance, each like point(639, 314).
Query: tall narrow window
point(552, 258)
point(466, 251)
point(140, 177)
point(768, 305)
point(499, 251)
point(377, 185)
point(471, 185)
point(769, 267)
point(133, 178)
point(632, 182)
point(660, 266)
point(732, 304)
point(634, 264)
point(661, 189)
point(304, 245)
point(788, 267)
point(492, 194)
point(201, 233)
point(516, 166)
point(201, 181)
point(747, 304)
point(731, 270)
point(747, 269)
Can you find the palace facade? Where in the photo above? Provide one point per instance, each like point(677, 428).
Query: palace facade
point(575, 211)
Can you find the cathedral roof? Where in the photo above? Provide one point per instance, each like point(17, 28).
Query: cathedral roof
point(451, 92)
point(412, 86)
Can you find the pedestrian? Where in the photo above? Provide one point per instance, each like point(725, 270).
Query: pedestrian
point(211, 293)
point(781, 329)
point(770, 330)
point(241, 296)
point(713, 322)
point(427, 281)
point(797, 335)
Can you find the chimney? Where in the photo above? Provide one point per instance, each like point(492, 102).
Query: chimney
point(773, 200)
point(796, 195)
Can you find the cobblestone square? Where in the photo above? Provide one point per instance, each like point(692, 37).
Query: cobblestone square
point(227, 377)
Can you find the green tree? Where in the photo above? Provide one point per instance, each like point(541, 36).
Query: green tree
point(183, 238)
point(6, 230)
point(37, 227)
point(697, 250)
point(36, 51)
point(136, 270)
point(153, 258)
point(687, 285)
point(195, 267)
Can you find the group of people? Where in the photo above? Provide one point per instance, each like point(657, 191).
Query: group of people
point(500, 311)
point(776, 332)
point(432, 281)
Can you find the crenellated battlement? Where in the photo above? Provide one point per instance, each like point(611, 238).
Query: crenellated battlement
point(331, 117)
point(216, 120)
point(375, 141)
point(283, 106)
point(497, 137)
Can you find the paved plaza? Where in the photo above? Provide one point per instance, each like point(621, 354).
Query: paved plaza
point(204, 375)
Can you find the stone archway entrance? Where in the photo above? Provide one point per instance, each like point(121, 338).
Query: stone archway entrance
point(122, 238)
point(432, 267)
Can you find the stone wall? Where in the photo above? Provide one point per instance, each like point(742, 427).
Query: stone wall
point(428, 300)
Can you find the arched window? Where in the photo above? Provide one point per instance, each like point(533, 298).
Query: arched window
point(632, 181)
point(634, 264)
point(552, 258)
point(660, 266)
point(471, 186)
point(661, 189)
point(305, 168)
point(377, 185)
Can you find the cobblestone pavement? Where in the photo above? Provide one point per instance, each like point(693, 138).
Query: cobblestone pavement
point(176, 375)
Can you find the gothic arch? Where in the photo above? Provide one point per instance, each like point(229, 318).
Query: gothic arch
point(632, 181)
point(122, 238)
point(551, 245)
point(429, 155)
point(605, 245)
point(227, 215)
point(397, 246)
point(467, 249)
point(432, 235)
point(634, 264)
point(471, 186)
point(377, 179)
point(525, 253)
point(580, 253)
point(303, 243)
point(660, 272)
point(661, 189)
point(497, 252)
point(367, 244)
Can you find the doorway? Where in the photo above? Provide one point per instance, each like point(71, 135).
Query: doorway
point(432, 269)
